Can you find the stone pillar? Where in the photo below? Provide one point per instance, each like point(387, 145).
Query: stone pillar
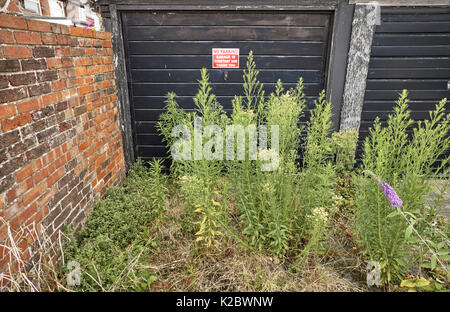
point(365, 17)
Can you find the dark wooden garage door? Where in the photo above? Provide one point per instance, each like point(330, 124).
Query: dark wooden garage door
point(166, 50)
point(411, 50)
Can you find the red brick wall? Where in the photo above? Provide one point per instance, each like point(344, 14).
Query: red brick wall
point(60, 142)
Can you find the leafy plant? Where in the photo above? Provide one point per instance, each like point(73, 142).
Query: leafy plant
point(406, 163)
point(109, 247)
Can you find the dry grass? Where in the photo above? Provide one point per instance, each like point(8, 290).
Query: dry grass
point(34, 268)
point(181, 265)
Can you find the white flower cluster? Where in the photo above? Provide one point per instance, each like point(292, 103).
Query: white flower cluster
point(189, 180)
point(319, 214)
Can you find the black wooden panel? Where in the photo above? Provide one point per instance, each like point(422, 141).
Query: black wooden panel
point(170, 47)
point(410, 51)
point(401, 39)
point(414, 27)
point(409, 84)
point(412, 94)
point(166, 50)
point(245, 33)
point(218, 75)
point(410, 63)
point(200, 61)
point(418, 73)
point(219, 89)
point(380, 106)
point(226, 19)
point(443, 16)
point(158, 102)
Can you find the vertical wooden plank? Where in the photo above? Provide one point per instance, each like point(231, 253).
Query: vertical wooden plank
point(341, 31)
point(122, 86)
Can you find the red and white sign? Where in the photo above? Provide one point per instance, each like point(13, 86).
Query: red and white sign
point(225, 58)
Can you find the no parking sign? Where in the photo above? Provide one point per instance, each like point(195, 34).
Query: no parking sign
point(225, 58)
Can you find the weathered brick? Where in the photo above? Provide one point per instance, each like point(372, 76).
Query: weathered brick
point(46, 134)
point(38, 151)
point(15, 52)
point(99, 77)
point(51, 98)
point(9, 66)
point(21, 188)
point(36, 25)
point(28, 105)
point(12, 165)
point(7, 111)
point(17, 121)
point(54, 62)
point(22, 79)
point(27, 37)
point(40, 89)
point(6, 36)
point(59, 85)
point(66, 61)
point(10, 95)
point(28, 170)
point(43, 52)
point(6, 183)
point(43, 112)
point(59, 107)
point(4, 82)
point(49, 39)
point(41, 174)
point(3, 156)
point(47, 75)
point(21, 147)
point(54, 177)
point(33, 64)
point(11, 21)
point(9, 138)
point(34, 193)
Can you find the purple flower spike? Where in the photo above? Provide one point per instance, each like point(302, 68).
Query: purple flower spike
point(390, 194)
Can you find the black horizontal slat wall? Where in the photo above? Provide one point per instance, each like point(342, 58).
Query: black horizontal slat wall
point(411, 50)
point(166, 50)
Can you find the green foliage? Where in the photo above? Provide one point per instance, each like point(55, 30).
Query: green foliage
point(406, 163)
point(286, 213)
point(344, 143)
point(317, 178)
point(118, 231)
point(273, 206)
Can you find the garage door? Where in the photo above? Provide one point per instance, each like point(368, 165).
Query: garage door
point(166, 50)
point(411, 50)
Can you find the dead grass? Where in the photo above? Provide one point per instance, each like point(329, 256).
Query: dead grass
point(181, 265)
point(34, 268)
